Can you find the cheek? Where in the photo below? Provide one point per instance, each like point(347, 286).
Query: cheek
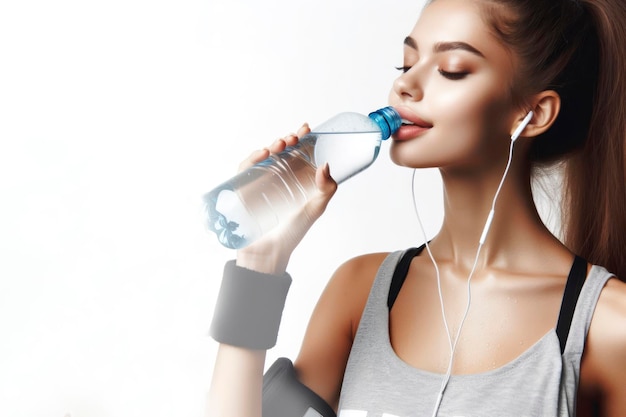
point(474, 112)
point(461, 103)
point(469, 128)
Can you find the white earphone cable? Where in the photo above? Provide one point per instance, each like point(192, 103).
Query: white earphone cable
point(453, 342)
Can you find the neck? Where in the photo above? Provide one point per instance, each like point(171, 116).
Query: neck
point(468, 200)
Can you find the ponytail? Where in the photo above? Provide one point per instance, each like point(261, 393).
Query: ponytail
point(594, 204)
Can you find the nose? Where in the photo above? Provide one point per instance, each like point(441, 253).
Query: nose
point(408, 87)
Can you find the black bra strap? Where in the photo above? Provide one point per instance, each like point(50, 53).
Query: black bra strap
point(574, 285)
point(399, 274)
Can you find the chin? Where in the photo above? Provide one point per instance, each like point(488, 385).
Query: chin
point(404, 160)
point(402, 155)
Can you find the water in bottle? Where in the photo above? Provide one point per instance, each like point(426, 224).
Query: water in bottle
point(255, 201)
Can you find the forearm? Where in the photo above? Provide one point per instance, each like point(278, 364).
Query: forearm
point(245, 323)
point(236, 386)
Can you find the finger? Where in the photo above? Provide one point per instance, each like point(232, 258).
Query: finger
point(278, 146)
point(325, 184)
point(291, 140)
point(256, 156)
point(304, 130)
point(325, 181)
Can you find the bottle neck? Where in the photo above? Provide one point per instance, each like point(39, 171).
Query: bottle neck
point(387, 119)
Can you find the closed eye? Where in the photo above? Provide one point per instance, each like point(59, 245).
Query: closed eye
point(453, 75)
point(447, 74)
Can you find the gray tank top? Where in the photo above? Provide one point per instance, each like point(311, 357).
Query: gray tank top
point(541, 382)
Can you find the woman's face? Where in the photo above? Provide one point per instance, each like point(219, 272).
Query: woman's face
point(455, 90)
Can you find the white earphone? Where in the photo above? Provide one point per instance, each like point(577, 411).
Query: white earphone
point(522, 126)
point(518, 131)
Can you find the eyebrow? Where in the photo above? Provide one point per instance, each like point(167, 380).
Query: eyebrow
point(446, 46)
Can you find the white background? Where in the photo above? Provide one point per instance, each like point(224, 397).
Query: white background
point(115, 117)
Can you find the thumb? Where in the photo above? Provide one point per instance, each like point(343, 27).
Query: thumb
point(326, 187)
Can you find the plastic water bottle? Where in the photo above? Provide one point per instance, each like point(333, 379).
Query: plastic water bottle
point(255, 201)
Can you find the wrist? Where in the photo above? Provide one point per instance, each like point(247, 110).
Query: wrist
point(264, 262)
point(249, 307)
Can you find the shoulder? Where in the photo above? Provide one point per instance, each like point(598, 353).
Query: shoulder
point(346, 293)
point(358, 273)
point(331, 330)
point(351, 283)
point(605, 350)
point(608, 326)
point(360, 269)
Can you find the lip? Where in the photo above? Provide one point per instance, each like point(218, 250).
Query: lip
point(410, 131)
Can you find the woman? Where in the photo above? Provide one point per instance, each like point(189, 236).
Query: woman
point(399, 335)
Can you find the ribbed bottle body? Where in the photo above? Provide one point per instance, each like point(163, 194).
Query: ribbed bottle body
point(258, 199)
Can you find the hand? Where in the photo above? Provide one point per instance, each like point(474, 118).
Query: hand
point(271, 253)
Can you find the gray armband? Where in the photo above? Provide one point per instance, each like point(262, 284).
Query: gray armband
point(249, 307)
point(285, 396)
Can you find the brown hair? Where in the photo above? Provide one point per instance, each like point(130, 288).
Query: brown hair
point(578, 49)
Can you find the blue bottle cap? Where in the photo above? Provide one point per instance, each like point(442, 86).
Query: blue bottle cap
point(387, 119)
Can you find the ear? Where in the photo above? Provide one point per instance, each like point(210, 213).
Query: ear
point(546, 106)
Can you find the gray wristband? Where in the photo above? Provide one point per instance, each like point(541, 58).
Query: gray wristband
point(249, 307)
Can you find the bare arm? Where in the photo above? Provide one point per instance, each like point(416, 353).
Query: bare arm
point(328, 340)
point(604, 364)
point(236, 386)
point(237, 382)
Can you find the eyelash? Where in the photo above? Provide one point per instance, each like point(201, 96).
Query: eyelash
point(449, 75)
point(453, 75)
point(403, 69)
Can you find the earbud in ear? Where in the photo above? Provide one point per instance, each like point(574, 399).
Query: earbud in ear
point(522, 126)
